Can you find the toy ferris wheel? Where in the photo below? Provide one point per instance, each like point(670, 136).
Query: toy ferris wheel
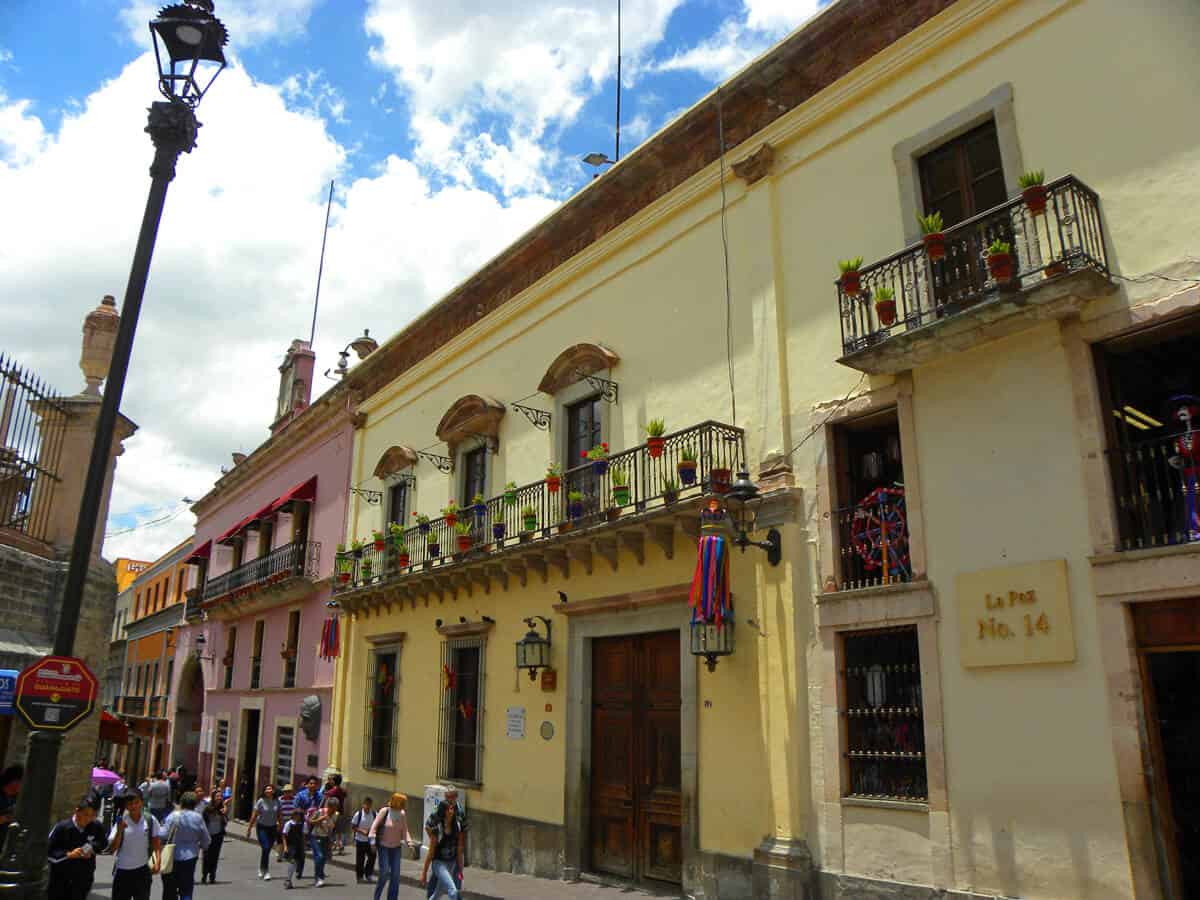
point(879, 532)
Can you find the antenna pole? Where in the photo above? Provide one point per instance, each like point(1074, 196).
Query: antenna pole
point(321, 267)
point(617, 155)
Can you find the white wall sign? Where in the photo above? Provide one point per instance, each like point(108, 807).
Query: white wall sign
point(515, 722)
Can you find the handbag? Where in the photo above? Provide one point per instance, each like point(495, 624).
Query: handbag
point(167, 856)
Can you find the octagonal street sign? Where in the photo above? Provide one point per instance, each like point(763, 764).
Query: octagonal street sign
point(56, 693)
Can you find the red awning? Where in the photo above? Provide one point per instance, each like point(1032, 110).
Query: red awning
point(306, 490)
point(113, 729)
point(235, 529)
point(201, 552)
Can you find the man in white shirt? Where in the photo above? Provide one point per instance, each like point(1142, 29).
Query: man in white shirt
point(136, 840)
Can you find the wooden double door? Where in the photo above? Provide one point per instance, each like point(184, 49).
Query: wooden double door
point(636, 803)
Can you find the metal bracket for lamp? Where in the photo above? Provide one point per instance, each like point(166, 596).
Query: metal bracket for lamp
point(373, 498)
point(538, 418)
point(443, 463)
point(609, 390)
point(773, 545)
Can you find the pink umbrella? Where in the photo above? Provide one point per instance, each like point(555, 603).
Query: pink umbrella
point(104, 777)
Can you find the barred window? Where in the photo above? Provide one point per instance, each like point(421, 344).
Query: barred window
point(221, 750)
point(285, 748)
point(885, 734)
point(381, 708)
point(460, 738)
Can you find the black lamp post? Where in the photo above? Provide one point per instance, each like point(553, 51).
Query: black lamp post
point(743, 502)
point(533, 650)
point(188, 42)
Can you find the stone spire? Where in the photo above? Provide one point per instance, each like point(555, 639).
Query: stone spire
point(99, 336)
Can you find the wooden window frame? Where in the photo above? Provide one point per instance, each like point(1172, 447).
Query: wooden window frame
point(448, 712)
point(373, 659)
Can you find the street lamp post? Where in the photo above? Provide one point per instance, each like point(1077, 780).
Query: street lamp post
point(188, 45)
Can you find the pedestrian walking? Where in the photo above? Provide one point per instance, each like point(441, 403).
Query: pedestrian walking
point(265, 819)
point(136, 839)
point(334, 789)
point(390, 833)
point(158, 797)
point(190, 835)
point(446, 829)
point(364, 851)
point(287, 803)
point(310, 795)
point(293, 842)
point(72, 850)
point(216, 821)
point(322, 822)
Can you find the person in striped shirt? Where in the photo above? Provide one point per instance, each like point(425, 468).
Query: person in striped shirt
point(287, 802)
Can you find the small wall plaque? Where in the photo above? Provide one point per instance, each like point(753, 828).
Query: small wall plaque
point(547, 730)
point(549, 680)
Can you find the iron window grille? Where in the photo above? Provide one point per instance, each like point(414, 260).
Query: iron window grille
point(460, 722)
point(292, 649)
point(33, 422)
point(883, 715)
point(381, 712)
point(285, 749)
point(221, 745)
point(230, 649)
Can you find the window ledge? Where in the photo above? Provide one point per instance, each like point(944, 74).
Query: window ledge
point(389, 771)
point(890, 602)
point(465, 629)
point(1153, 573)
point(905, 805)
point(461, 783)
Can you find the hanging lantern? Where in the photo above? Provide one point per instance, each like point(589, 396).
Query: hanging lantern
point(710, 599)
point(533, 650)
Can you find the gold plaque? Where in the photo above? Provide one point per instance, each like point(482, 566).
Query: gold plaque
point(1016, 615)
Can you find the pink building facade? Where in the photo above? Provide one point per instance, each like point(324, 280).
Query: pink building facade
point(251, 668)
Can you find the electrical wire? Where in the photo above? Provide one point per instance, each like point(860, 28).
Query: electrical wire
point(833, 412)
point(725, 250)
point(160, 521)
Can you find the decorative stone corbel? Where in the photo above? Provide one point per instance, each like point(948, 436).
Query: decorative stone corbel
point(756, 165)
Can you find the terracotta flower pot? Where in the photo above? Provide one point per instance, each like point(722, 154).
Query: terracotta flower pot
point(1058, 267)
point(1000, 265)
point(451, 519)
point(720, 481)
point(402, 559)
point(654, 446)
point(552, 483)
point(464, 543)
point(380, 545)
point(935, 245)
point(613, 513)
point(343, 577)
point(1035, 198)
point(885, 311)
point(851, 283)
point(687, 471)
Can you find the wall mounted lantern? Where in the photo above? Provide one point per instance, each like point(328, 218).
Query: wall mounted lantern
point(533, 650)
point(712, 641)
point(201, 643)
point(743, 502)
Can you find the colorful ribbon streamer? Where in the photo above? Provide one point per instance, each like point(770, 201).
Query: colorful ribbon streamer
point(710, 599)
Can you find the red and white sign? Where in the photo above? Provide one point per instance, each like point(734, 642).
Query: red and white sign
point(56, 693)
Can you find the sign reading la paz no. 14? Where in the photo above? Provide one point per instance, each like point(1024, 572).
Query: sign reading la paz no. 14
point(56, 693)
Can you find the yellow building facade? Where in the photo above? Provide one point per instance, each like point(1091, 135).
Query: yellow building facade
point(966, 675)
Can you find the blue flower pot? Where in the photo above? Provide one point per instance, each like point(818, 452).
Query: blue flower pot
point(575, 510)
point(480, 510)
point(600, 466)
point(498, 531)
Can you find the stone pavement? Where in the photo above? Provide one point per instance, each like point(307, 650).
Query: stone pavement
point(237, 879)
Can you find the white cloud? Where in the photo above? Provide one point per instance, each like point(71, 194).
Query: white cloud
point(234, 269)
point(739, 40)
point(309, 90)
point(249, 21)
point(5, 55)
point(531, 66)
point(21, 134)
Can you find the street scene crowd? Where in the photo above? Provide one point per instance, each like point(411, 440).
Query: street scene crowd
point(168, 827)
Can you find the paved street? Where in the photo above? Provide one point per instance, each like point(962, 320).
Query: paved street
point(236, 878)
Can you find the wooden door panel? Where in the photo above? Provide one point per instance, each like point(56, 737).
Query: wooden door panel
point(613, 757)
point(661, 842)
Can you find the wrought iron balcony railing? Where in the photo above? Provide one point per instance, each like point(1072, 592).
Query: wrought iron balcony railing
point(158, 707)
point(500, 522)
point(133, 706)
point(873, 540)
point(1157, 483)
point(1066, 237)
point(300, 559)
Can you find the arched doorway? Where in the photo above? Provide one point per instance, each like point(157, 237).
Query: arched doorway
point(189, 709)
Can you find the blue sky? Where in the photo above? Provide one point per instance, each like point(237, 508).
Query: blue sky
point(450, 129)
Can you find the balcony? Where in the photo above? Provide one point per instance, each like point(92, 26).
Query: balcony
point(1059, 263)
point(1156, 484)
point(195, 603)
point(603, 521)
point(157, 707)
point(283, 575)
point(133, 706)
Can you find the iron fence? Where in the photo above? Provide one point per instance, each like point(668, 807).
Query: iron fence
point(32, 423)
point(133, 706)
point(651, 480)
point(302, 558)
point(1156, 485)
point(873, 541)
point(1066, 237)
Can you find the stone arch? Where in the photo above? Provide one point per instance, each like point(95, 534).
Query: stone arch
point(396, 459)
point(575, 362)
point(473, 414)
point(189, 711)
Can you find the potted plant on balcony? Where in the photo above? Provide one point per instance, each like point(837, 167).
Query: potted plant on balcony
point(885, 306)
point(462, 535)
point(367, 569)
point(575, 504)
point(402, 555)
point(356, 548)
point(395, 533)
point(1033, 191)
point(380, 540)
point(613, 513)
point(687, 465)
point(498, 528)
point(450, 513)
point(529, 522)
point(432, 549)
point(343, 564)
point(655, 429)
point(850, 281)
point(510, 494)
point(553, 477)
point(598, 456)
point(670, 490)
point(719, 479)
point(1000, 261)
point(479, 502)
point(620, 487)
point(932, 236)
point(422, 522)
